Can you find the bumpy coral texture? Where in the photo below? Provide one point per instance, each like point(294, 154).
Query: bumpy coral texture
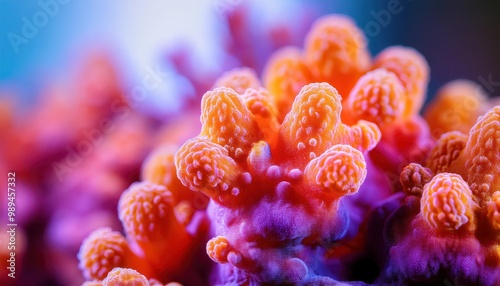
point(147, 213)
point(239, 80)
point(275, 201)
point(481, 157)
point(413, 179)
point(458, 211)
point(284, 76)
point(295, 170)
point(412, 70)
point(379, 97)
point(446, 202)
point(102, 251)
point(336, 52)
point(125, 277)
point(456, 107)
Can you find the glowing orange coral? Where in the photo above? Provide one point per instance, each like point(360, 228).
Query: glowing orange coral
point(456, 107)
point(125, 277)
point(493, 211)
point(159, 168)
point(102, 251)
point(261, 106)
point(481, 155)
point(206, 167)
point(412, 70)
point(228, 122)
point(239, 79)
point(413, 178)
point(313, 125)
point(339, 171)
point(336, 52)
point(147, 213)
point(447, 204)
point(446, 151)
point(143, 208)
point(378, 96)
point(218, 249)
point(284, 76)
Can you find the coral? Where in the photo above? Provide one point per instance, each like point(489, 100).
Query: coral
point(493, 212)
point(256, 185)
point(159, 168)
point(412, 70)
point(261, 106)
point(379, 97)
point(458, 210)
point(288, 181)
point(227, 122)
point(239, 79)
point(413, 179)
point(125, 277)
point(102, 251)
point(147, 213)
point(446, 151)
point(456, 107)
point(447, 203)
point(336, 52)
point(284, 76)
point(480, 157)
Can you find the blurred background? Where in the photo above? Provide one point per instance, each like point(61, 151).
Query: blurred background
point(88, 88)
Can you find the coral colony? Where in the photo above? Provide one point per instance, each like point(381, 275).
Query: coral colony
point(321, 171)
point(295, 167)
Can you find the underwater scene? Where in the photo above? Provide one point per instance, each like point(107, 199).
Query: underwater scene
point(239, 142)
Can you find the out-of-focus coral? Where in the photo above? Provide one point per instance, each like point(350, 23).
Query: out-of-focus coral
point(102, 251)
point(336, 51)
point(412, 70)
point(456, 107)
point(146, 211)
point(309, 164)
point(157, 243)
point(284, 76)
point(239, 80)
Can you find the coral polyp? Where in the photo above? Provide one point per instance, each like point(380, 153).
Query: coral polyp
point(447, 203)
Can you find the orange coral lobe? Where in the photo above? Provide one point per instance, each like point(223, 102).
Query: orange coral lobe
point(412, 70)
point(378, 96)
point(206, 167)
point(261, 106)
point(218, 249)
point(339, 171)
point(482, 155)
point(446, 151)
point(125, 277)
point(228, 122)
point(159, 167)
point(336, 52)
point(313, 120)
point(363, 136)
point(102, 251)
point(284, 76)
point(239, 79)
point(493, 211)
point(145, 210)
point(456, 106)
point(446, 202)
point(413, 178)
